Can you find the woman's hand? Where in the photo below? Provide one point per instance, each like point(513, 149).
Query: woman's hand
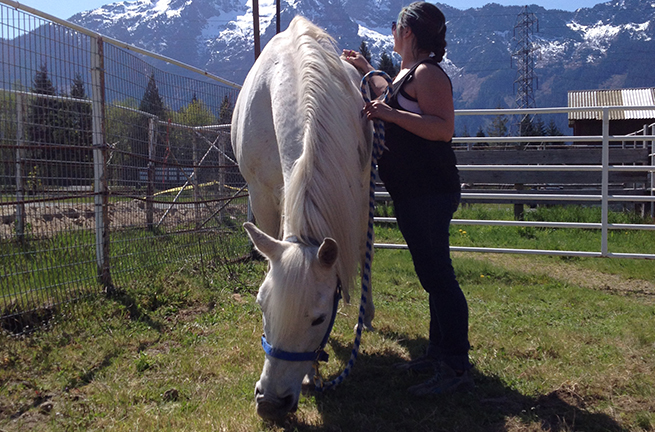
point(379, 110)
point(357, 60)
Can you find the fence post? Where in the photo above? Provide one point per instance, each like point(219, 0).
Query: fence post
point(651, 174)
point(605, 183)
point(150, 222)
point(518, 207)
point(20, 165)
point(194, 182)
point(641, 207)
point(222, 174)
point(101, 190)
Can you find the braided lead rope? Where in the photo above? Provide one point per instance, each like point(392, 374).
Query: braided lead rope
point(378, 147)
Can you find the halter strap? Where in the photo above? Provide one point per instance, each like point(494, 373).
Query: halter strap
point(314, 356)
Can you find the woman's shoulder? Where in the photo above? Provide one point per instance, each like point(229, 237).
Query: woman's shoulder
point(430, 67)
point(431, 72)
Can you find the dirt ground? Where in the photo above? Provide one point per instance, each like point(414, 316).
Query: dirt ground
point(45, 219)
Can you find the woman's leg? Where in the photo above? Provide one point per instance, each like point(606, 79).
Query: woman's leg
point(424, 223)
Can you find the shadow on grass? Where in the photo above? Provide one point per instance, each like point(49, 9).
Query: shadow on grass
point(136, 313)
point(374, 398)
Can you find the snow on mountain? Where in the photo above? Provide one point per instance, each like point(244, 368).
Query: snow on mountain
point(589, 48)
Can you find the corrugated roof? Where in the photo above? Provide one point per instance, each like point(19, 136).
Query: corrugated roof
point(620, 97)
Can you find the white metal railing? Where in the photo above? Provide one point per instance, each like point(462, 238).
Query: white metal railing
point(604, 197)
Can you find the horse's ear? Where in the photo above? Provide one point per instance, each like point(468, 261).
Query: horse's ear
point(264, 243)
point(328, 252)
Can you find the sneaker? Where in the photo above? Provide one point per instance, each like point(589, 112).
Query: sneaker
point(423, 364)
point(446, 381)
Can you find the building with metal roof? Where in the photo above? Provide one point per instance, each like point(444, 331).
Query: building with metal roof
point(622, 121)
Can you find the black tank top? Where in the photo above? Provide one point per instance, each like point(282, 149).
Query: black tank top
point(413, 166)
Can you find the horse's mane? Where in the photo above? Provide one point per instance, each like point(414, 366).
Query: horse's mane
point(323, 197)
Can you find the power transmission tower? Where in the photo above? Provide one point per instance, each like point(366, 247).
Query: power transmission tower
point(524, 58)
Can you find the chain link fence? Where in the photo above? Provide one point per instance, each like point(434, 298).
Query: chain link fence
point(111, 163)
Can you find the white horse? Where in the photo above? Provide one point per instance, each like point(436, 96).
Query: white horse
point(304, 149)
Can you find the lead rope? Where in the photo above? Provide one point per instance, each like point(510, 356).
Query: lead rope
point(378, 147)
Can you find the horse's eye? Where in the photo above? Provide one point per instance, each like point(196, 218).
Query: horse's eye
point(318, 320)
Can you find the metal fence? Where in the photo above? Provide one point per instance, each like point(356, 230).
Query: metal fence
point(113, 164)
point(110, 166)
point(603, 197)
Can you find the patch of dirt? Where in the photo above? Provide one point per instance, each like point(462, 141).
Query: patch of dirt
point(47, 219)
point(190, 313)
point(570, 273)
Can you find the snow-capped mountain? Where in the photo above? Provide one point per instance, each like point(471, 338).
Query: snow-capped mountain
point(607, 46)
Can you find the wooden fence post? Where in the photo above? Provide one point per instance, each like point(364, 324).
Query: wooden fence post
point(101, 189)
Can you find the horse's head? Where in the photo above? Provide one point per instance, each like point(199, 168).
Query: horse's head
point(298, 299)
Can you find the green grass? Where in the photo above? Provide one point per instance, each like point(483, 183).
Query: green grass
point(178, 349)
point(624, 241)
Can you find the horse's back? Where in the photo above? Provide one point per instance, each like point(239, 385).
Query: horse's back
point(258, 130)
point(269, 115)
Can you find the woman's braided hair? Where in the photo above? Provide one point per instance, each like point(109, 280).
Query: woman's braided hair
point(428, 24)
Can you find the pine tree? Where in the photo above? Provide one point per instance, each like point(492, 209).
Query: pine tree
point(386, 65)
point(480, 134)
point(538, 126)
point(79, 131)
point(44, 118)
point(77, 90)
point(225, 115)
point(152, 103)
point(42, 83)
point(498, 126)
point(43, 110)
point(531, 126)
point(525, 126)
point(363, 50)
point(553, 130)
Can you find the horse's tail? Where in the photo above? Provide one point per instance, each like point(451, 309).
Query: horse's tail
point(324, 194)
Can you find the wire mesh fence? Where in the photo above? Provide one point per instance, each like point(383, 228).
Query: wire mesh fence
point(109, 165)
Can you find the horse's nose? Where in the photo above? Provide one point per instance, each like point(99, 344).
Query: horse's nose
point(274, 408)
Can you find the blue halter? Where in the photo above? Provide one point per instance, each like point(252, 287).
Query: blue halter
point(314, 356)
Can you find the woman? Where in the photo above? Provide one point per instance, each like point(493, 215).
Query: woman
point(419, 172)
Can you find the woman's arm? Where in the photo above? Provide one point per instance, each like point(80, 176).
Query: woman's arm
point(431, 87)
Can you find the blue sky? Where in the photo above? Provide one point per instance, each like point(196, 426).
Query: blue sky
point(66, 8)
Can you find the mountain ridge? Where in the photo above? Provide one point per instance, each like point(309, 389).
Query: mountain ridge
point(607, 46)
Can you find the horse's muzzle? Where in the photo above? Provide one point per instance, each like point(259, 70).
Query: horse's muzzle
point(274, 408)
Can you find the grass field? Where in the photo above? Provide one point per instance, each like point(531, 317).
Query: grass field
point(559, 344)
